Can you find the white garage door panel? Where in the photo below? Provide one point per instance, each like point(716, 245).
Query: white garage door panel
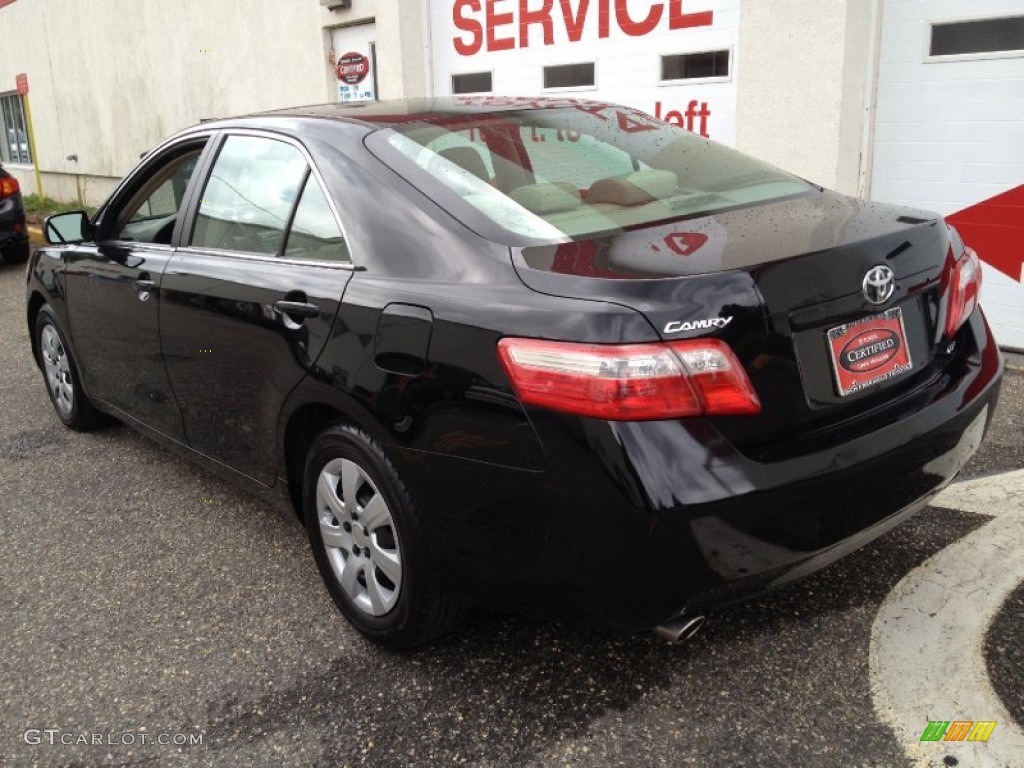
point(949, 134)
point(1007, 133)
point(967, 151)
point(957, 92)
point(897, 11)
point(977, 108)
point(960, 195)
point(1002, 175)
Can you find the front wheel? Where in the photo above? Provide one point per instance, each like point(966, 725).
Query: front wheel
point(368, 543)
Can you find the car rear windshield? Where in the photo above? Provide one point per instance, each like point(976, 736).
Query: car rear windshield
point(564, 173)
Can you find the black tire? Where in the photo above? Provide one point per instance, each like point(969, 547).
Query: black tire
point(16, 254)
point(76, 411)
point(422, 609)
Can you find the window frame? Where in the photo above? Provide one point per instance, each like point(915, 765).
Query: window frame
point(20, 100)
point(568, 88)
point(308, 179)
point(184, 237)
point(926, 43)
point(453, 75)
point(698, 80)
point(109, 213)
point(119, 223)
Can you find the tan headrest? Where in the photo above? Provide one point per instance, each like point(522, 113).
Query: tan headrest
point(634, 188)
point(468, 159)
point(547, 198)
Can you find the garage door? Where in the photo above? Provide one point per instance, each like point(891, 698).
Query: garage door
point(674, 59)
point(949, 132)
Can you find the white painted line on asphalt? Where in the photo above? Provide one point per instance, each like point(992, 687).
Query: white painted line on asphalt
point(927, 657)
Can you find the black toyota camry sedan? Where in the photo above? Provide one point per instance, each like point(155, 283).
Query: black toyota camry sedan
point(549, 354)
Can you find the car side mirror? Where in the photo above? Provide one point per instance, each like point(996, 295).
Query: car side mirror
point(71, 227)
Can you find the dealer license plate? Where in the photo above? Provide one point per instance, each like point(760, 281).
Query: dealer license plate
point(869, 351)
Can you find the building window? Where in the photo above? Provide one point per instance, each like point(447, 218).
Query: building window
point(569, 76)
point(472, 82)
point(14, 146)
point(692, 66)
point(983, 36)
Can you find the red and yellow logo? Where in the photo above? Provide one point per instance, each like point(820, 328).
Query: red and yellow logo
point(958, 730)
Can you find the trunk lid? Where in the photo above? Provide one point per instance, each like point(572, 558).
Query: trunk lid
point(772, 280)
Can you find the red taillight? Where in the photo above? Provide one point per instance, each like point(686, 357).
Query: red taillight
point(964, 290)
point(9, 187)
point(629, 382)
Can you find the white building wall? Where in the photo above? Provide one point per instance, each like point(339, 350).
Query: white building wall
point(109, 79)
point(802, 75)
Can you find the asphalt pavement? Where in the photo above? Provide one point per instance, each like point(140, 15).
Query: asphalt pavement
point(147, 605)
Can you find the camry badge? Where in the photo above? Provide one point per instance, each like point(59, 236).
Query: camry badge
point(678, 326)
point(879, 284)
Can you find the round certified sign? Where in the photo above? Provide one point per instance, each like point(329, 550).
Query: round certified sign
point(352, 68)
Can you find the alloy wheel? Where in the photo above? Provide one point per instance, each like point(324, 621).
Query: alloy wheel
point(359, 536)
point(58, 370)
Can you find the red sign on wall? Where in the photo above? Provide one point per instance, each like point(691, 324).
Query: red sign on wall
point(352, 68)
point(22, 82)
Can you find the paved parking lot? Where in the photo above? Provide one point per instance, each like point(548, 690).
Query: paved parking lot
point(145, 601)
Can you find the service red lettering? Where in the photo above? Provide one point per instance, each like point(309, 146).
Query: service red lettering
point(675, 117)
point(495, 20)
point(574, 24)
point(541, 16)
point(679, 20)
point(483, 24)
point(604, 16)
point(464, 24)
point(636, 28)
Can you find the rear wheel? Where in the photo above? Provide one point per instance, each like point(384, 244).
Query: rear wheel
point(367, 540)
point(63, 383)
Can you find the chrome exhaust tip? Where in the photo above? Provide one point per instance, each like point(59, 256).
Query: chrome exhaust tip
point(680, 629)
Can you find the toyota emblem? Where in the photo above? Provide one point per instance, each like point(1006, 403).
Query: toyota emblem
point(879, 285)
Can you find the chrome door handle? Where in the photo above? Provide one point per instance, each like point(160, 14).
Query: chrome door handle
point(297, 308)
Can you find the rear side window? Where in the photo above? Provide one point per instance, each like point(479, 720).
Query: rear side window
point(249, 195)
point(315, 234)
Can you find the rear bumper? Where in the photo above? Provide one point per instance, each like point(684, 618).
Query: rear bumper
point(634, 523)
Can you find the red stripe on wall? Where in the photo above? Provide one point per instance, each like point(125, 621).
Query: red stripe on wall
point(995, 229)
point(5, 2)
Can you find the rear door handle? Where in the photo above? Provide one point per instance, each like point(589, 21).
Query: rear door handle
point(297, 308)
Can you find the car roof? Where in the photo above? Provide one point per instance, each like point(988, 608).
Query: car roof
point(381, 114)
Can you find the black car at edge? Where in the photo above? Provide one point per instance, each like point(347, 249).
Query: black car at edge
point(14, 243)
point(549, 354)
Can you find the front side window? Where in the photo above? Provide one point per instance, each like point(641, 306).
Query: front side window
point(150, 214)
point(249, 196)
